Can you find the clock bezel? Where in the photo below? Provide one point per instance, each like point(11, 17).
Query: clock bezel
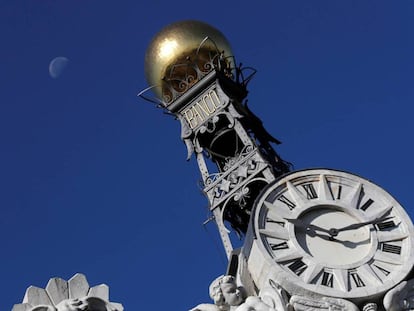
point(270, 269)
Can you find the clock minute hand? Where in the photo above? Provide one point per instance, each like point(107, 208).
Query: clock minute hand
point(335, 231)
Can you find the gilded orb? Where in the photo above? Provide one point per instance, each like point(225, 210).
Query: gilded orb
point(179, 44)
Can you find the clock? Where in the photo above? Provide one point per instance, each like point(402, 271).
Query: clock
point(331, 233)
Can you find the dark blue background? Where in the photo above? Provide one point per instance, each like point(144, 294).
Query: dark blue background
point(94, 179)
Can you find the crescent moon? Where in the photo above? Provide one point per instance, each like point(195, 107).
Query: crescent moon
point(57, 66)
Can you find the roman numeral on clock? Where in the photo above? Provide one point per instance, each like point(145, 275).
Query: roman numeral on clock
point(298, 266)
point(357, 279)
point(279, 246)
point(286, 201)
point(390, 248)
point(383, 270)
point(338, 194)
point(310, 191)
point(280, 223)
point(367, 204)
point(385, 225)
point(327, 279)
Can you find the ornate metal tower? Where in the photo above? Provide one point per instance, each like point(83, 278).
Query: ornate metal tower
point(193, 75)
point(316, 239)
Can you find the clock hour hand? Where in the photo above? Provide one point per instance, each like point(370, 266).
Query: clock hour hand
point(307, 227)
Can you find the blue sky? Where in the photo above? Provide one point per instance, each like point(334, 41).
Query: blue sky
point(94, 179)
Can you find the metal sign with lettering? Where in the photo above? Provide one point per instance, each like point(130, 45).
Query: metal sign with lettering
point(201, 109)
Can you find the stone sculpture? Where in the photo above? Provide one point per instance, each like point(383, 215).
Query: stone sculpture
point(401, 297)
point(72, 295)
point(227, 296)
point(225, 293)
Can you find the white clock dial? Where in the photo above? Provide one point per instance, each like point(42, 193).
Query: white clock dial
point(347, 248)
point(332, 233)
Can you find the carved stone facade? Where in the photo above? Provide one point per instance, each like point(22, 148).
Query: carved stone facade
point(72, 295)
point(229, 296)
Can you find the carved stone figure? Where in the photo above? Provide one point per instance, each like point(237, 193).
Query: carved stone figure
point(225, 292)
point(227, 296)
point(401, 297)
point(72, 295)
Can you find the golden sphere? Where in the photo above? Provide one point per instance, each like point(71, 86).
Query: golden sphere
point(177, 42)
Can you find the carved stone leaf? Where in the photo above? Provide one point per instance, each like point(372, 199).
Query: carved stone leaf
point(22, 307)
point(117, 306)
point(58, 290)
point(78, 286)
point(74, 294)
point(100, 291)
point(36, 296)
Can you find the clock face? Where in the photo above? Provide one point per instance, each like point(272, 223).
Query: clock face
point(333, 233)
